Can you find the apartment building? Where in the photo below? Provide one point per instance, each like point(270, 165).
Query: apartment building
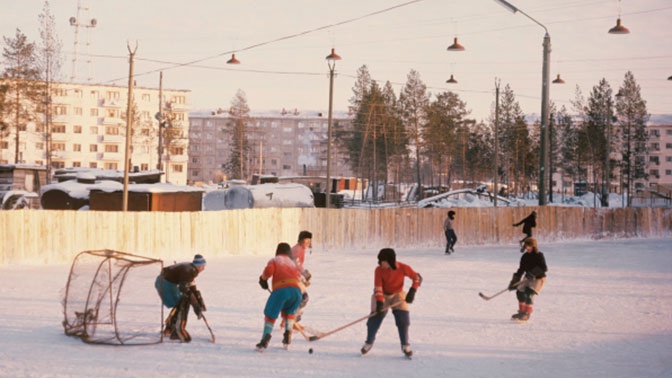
point(88, 129)
point(281, 143)
point(659, 165)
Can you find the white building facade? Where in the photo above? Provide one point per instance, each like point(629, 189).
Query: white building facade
point(88, 129)
point(281, 143)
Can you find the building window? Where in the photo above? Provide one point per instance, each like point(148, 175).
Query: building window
point(146, 97)
point(286, 167)
point(112, 95)
point(93, 148)
point(78, 111)
point(76, 164)
point(111, 148)
point(60, 110)
point(94, 95)
point(93, 164)
point(144, 167)
point(77, 129)
point(176, 151)
point(111, 165)
point(58, 164)
point(77, 147)
point(39, 162)
point(39, 146)
point(93, 112)
point(195, 173)
point(58, 146)
point(58, 129)
point(112, 130)
point(176, 167)
point(93, 130)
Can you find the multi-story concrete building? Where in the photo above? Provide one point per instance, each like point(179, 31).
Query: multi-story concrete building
point(88, 129)
point(659, 165)
point(281, 143)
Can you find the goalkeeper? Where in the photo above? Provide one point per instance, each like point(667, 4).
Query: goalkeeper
point(177, 290)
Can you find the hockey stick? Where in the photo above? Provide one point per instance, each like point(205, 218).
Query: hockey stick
point(323, 335)
point(212, 335)
point(487, 298)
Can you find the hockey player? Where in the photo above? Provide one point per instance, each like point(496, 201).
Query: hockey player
point(449, 231)
point(285, 297)
point(299, 256)
point(388, 292)
point(533, 266)
point(529, 222)
point(177, 290)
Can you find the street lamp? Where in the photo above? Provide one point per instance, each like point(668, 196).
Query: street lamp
point(331, 62)
point(544, 101)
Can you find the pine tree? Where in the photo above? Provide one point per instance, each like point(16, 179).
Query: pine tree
point(444, 134)
point(240, 116)
point(24, 86)
point(515, 142)
point(413, 102)
point(600, 118)
point(632, 118)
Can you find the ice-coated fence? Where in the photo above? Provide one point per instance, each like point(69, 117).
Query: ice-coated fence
point(49, 236)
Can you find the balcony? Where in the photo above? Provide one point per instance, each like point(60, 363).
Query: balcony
point(109, 138)
point(113, 121)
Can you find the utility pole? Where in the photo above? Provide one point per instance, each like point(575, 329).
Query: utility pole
point(129, 124)
point(496, 173)
point(159, 117)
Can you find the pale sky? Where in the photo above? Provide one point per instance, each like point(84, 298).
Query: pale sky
point(282, 46)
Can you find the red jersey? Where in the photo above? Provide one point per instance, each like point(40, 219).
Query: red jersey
point(299, 255)
point(284, 271)
point(388, 281)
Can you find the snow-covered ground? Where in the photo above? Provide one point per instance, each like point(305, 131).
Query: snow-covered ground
point(606, 311)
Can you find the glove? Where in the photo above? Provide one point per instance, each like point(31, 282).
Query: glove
point(410, 296)
point(514, 280)
point(263, 283)
point(306, 274)
point(379, 308)
point(197, 310)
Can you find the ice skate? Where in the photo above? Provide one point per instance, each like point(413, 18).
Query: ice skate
point(366, 348)
point(263, 344)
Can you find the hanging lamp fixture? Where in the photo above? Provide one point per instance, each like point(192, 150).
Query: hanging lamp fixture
point(455, 46)
point(233, 60)
point(619, 28)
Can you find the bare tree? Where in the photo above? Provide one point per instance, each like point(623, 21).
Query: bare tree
point(49, 61)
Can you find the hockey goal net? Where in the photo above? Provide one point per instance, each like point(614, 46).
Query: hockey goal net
point(110, 299)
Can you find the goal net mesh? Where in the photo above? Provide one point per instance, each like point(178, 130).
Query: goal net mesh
point(110, 299)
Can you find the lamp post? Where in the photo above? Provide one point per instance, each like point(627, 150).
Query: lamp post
point(331, 62)
point(545, 79)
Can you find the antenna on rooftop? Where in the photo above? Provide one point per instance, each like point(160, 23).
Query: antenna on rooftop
point(82, 20)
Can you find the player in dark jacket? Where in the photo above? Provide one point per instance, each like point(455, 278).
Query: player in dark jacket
point(529, 222)
point(177, 290)
point(533, 266)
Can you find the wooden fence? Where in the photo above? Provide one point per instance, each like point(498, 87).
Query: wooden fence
point(49, 236)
